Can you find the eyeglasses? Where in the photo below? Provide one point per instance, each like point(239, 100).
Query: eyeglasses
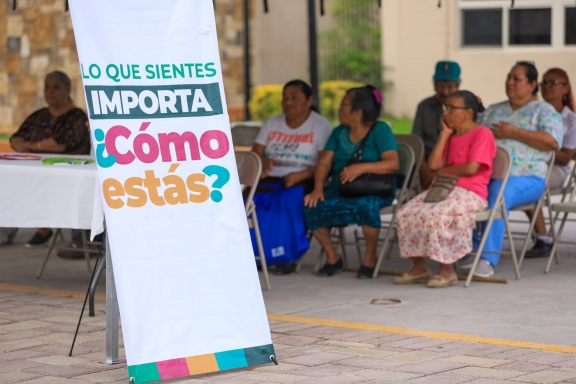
point(451, 108)
point(551, 82)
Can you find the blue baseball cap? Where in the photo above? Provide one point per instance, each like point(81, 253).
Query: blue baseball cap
point(447, 71)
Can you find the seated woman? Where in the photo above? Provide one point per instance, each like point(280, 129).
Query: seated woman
point(529, 130)
point(556, 90)
point(326, 208)
point(59, 128)
point(289, 145)
point(443, 230)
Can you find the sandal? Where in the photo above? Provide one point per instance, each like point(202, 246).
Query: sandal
point(438, 281)
point(405, 278)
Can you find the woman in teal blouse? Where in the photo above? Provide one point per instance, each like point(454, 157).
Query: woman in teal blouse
point(324, 207)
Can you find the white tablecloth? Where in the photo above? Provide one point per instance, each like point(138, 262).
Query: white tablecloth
point(54, 196)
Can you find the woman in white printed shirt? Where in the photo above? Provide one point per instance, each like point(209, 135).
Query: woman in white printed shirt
point(556, 90)
point(289, 144)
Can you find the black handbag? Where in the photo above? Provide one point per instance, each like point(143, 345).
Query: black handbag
point(367, 184)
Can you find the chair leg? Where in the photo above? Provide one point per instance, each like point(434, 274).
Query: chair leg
point(358, 247)
point(50, 247)
point(261, 251)
point(556, 242)
point(342, 237)
point(86, 250)
point(482, 243)
point(530, 230)
point(299, 262)
point(512, 249)
point(384, 248)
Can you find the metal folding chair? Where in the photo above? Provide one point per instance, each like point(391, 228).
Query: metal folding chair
point(249, 171)
point(501, 171)
point(244, 135)
point(544, 199)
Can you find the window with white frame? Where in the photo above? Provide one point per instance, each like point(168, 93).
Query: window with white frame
point(530, 23)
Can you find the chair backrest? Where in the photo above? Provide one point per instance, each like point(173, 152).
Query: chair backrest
point(417, 145)
point(502, 164)
point(406, 158)
point(249, 170)
point(244, 135)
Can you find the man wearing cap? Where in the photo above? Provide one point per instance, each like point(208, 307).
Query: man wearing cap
point(427, 121)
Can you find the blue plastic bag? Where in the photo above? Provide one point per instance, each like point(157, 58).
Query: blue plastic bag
point(280, 217)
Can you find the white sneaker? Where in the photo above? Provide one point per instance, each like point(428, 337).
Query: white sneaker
point(484, 269)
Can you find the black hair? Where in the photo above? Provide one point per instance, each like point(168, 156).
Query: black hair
point(62, 77)
point(364, 99)
point(471, 101)
point(531, 73)
point(304, 87)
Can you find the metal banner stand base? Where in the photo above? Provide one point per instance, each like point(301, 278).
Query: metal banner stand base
point(112, 313)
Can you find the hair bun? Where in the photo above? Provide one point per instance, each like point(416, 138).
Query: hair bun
point(480, 105)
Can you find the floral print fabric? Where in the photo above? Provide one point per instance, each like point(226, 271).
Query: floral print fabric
point(534, 116)
point(441, 231)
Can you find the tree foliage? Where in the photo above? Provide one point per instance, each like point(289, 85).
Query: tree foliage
point(351, 48)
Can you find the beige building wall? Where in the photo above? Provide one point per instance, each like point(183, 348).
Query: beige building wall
point(416, 34)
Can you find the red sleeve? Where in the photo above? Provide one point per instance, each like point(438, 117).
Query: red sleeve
point(483, 148)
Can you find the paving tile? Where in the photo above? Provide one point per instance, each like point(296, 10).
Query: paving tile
point(317, 359)
point(317, 331)
point(547, 357)
point(479, 350)
point(287, 327)
point(489, 373)
point(571, 363)
point(16, 365)
point(447, 347)
point(416, 356)
point(59, 360)
point(346, 344)
point(296, 340)
point(364, 352)
point(426, 343)
point(19, 355)
point(304, 350)
point(281, 367)
point(60, 370)
point(20, 335)
point(333, 380)
point(547, 376)
point(488, 381)
point(364, 362)
point(56, 380)
point(270, 377)
point(106, 376)
point(67, 328)
point(20, 326)
point(66, 338)
point(523, 366)
point(475, 361)
point(16, 377)
point(511, 354)
point(440, 378)
point(428, 367)
point(324, 370)
point(19, 344)
point(383, 375)
point(405, 342)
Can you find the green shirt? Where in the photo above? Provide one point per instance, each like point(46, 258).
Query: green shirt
point(380, 140)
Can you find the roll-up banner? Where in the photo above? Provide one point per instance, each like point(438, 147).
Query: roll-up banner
point(188, 289)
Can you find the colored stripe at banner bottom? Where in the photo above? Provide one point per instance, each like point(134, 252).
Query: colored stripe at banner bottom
point(196, 365)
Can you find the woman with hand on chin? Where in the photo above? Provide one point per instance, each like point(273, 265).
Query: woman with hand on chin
point(443, 230)
point(289, 145)
point(59, 128)
point(530, 130)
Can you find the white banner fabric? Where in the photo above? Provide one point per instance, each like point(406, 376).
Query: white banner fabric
point(188, 289)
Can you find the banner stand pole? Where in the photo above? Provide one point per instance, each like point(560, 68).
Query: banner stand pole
point(112, 313)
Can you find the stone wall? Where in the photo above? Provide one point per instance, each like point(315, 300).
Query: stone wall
point(37, 38)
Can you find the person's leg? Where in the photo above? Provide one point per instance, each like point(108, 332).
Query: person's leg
point(371, 235)
point(447, 271)
point(323, 237)
point(419, 267)
point(520, 190)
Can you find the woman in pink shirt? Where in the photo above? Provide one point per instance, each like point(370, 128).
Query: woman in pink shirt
point(443, 230)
